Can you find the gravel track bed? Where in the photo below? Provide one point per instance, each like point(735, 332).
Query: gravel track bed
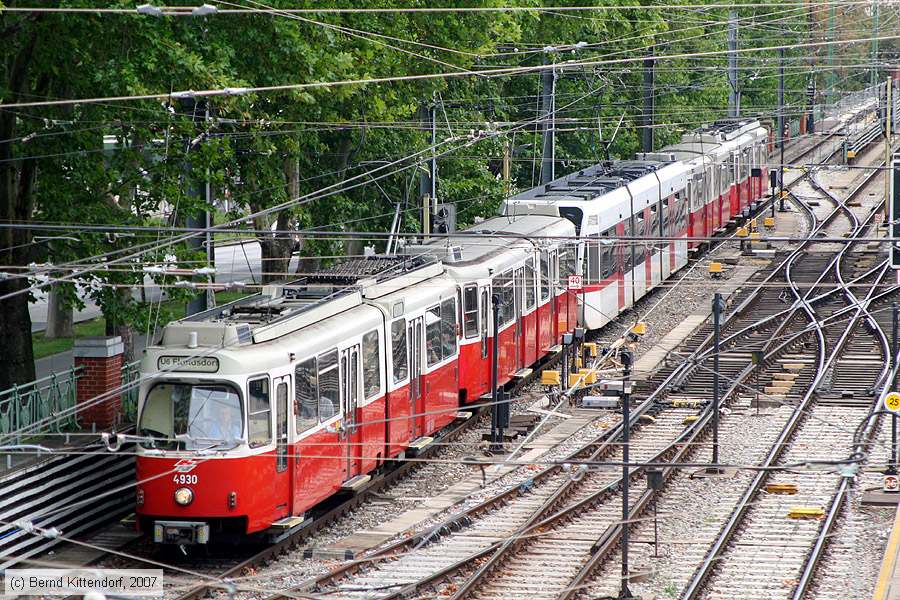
point(853, 558)
point(691, 511)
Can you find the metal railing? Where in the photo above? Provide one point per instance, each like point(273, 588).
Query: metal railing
point(33, 406)
point(22, 406)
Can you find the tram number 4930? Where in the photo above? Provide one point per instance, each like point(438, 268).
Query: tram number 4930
point(184, 479)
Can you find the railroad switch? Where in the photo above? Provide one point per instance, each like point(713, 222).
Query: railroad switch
point(741, 232)
point(575, 380)
point(806, 512)
point(769, 222)
point(591, 348)
point(690, 419)
point(647, 419)
point(783, 489)
point(716, 270)
point(639, 328)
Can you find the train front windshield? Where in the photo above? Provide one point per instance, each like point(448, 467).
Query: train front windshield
point(181, 416)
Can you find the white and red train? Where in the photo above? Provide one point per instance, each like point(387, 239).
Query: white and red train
point(256, 412)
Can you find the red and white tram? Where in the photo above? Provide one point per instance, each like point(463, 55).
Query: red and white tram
point(255, 412)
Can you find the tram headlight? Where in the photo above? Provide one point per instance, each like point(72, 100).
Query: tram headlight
point(184, 496)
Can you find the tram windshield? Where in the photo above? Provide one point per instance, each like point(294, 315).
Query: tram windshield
point(180, 416)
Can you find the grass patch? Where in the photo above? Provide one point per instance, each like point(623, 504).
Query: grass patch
point(44, 347)
point(97, 327)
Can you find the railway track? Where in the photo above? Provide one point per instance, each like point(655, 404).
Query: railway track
point(761, 549)
point(556, 509)
point(560, 527)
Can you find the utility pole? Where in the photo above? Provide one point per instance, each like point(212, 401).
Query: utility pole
point(626, 358)
point(496, 431)
point(428, 178)
point(830, 76)
point(888, 117)
point(874, 78)
point(506, 166)
point(780, 134)
point(197, 219)
point(548, 106)
point(734, 95)
point(718, 306)
point(647, 125)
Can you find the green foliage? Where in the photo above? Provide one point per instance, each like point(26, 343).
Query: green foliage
point(263, 150)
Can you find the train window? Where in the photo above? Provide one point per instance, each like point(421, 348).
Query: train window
point(259, 412)
point(529, 284)
point(203, 414)
point(545, 275)
point(433, 335)
point(281, 426)
point(593, 259)
point(667, 217)
point(306, 395)
point(484, 322)
point(448, 328)
point(371, 351)
point(504, 287)
point(353, 376)
point(606, 254)
point(398, 350)
point(470, 311)
point(628, 247)
point(329, 385)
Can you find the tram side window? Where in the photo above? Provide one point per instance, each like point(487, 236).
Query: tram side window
point(529, 284)
point(667, 217)
point(507, 297)
point(259, 410)
point(448, 328)
point(470, 311)
point(545, 275)
point(371, 355)
point(329, 385)
point(628, 247)
point(398, 350)
point(485, 302)
point(593, 262)
point(306, 395)
point(638, 246)
point(433, 335)
point(607, 254)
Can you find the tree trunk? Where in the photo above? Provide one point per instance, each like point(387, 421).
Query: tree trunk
point(15, 331)
point(16, 185)
point(60, 317)
point(276, 252)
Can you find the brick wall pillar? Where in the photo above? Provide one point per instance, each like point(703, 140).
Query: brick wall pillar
point(101, 376)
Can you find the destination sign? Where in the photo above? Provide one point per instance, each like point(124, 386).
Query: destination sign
point(190, 364)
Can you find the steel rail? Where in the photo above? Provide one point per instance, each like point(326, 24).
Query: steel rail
point(705, 570)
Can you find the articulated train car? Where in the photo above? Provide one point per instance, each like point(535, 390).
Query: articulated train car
point(687, 191)
point(253, 413)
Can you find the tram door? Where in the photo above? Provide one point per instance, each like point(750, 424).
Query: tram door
point(415, 338)
point(519, 288)
point(351, 430)
point(283, 461)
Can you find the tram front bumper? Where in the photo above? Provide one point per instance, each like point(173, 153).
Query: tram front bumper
point(180, 532)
